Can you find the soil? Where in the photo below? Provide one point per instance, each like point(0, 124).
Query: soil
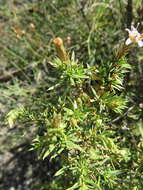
point(20, 169)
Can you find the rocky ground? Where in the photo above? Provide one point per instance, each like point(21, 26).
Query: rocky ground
point(19, 168)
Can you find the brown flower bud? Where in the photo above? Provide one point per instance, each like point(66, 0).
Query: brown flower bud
point(58, 42)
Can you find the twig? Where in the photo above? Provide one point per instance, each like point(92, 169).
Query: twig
point(129, 13)
point(120, 117)
point(81, 9)
point(8, 76)
point(122, 12)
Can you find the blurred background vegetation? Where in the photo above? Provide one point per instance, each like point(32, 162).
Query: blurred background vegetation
point(95, 30)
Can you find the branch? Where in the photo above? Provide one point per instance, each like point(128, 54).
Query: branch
point(122, 116)
point(81, 9)
point(129, 13)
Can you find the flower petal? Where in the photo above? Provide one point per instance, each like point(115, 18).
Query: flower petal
point(128, 30)
point(128, 41)
point(140, 43)
point(133, 28)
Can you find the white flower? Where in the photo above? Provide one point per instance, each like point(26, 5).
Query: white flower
point(134, 36)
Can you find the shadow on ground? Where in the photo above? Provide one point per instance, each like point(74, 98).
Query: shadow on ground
point(23, 171)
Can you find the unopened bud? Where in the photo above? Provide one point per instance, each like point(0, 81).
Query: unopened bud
point(58, 42)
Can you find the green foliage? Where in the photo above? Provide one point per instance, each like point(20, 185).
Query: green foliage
point(86, 112)
point(76, 125)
